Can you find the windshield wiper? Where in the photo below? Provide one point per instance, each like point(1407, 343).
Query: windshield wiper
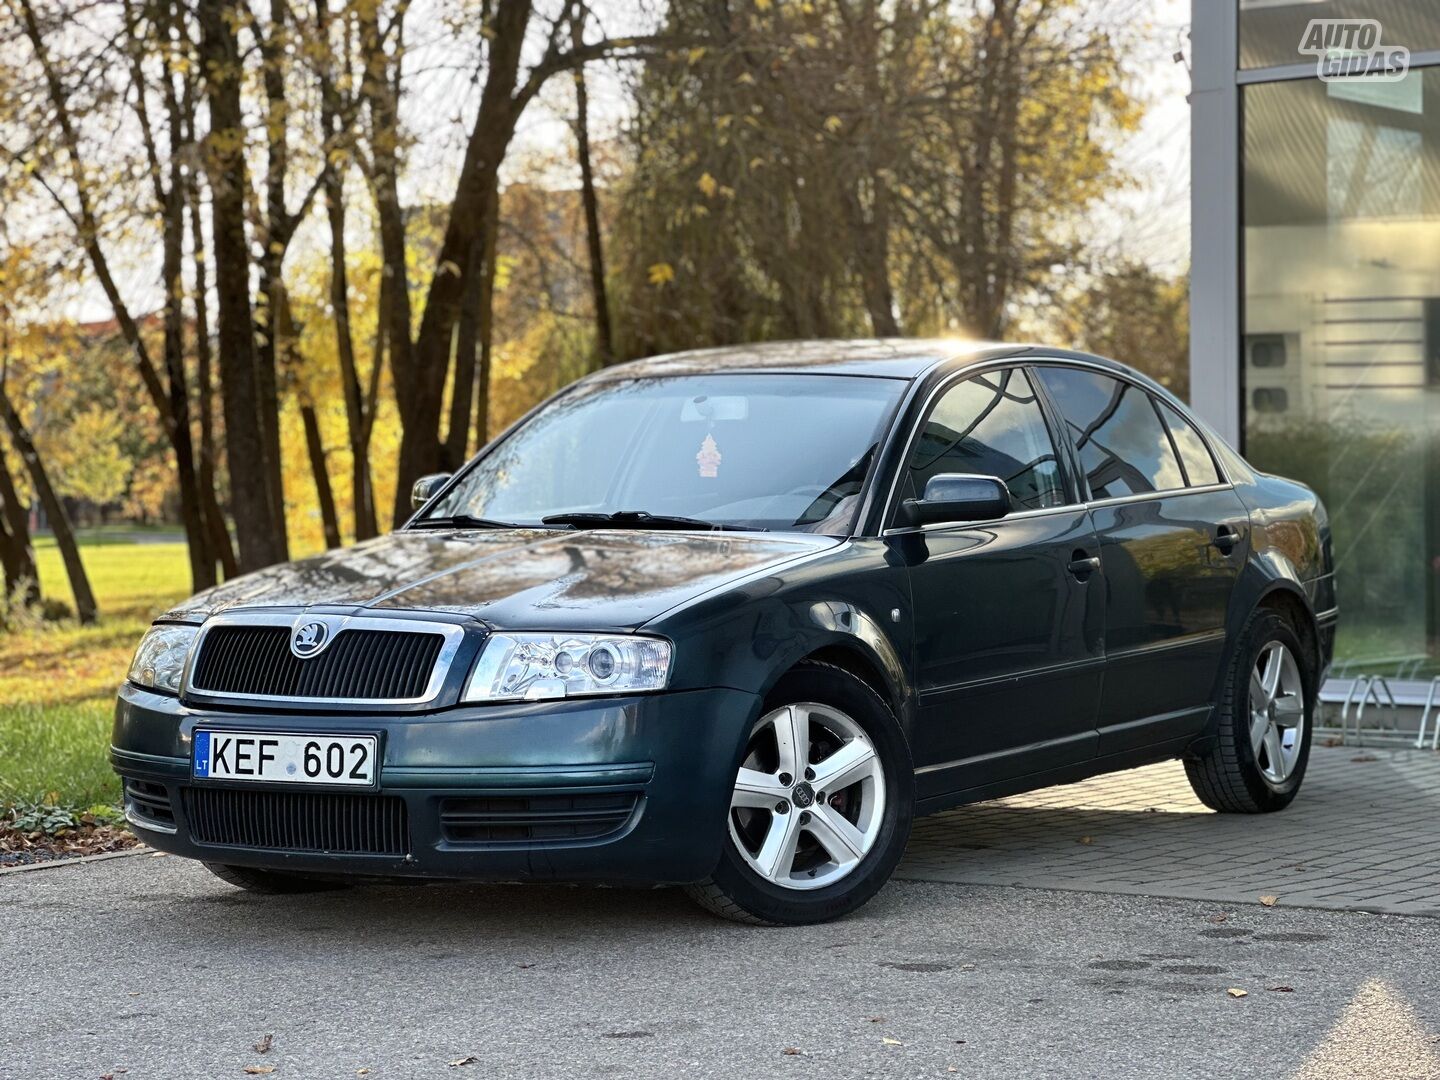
point(466, 521)
point(639, 519)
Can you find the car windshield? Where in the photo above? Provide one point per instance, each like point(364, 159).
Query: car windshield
point(755, 451)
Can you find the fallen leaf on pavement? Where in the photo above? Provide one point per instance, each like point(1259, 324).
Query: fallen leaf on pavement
point(1281, 989)
point(362, 1072)
point(791, 1051)
point(1363, 758)
point(1235, 991)
point(876, 1019)
point(1086, 840)
point(265, 1043)
point(159, 854)
point(471, 1060)
point(888, 1041)
point(1221, 917)
point(1269, 901)
point(259, 1070)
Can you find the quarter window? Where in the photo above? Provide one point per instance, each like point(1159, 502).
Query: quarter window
point(1124, 449)
point(1200, 467)
point(990, 425)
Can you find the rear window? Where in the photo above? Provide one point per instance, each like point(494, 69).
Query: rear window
point(1200, 467)
point(1124, 448)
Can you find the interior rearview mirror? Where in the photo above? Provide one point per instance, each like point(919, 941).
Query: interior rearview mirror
point(426, 487)
point(957, 497)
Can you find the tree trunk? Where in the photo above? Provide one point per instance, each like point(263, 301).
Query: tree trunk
point(421, 405)
point(88, 227)
point(220, 541)
point(485, 323)
point(261, 534)
point(376, 89)
point(462, 391)
point(362, 494)
point(85, 608)
point(20, 571)
point(172, 212)
point(315, 445)
point(604, 334)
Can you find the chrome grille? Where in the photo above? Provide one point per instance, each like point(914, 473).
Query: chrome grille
point(359, 664)
point(336, 822)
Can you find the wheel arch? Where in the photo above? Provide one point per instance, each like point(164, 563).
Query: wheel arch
point(1291, 604)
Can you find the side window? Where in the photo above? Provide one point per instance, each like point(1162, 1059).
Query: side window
point(990, 425)
point(1124, 449)
point(1200, 467)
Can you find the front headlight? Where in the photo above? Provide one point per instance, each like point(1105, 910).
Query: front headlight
point(536, 667)
point(160, 659)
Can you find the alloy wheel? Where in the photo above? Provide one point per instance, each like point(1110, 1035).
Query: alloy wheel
point(1277, 712)
point(809, 798)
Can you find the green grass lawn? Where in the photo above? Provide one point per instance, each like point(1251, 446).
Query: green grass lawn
point(58, 681)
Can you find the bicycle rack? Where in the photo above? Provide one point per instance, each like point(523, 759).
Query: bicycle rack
point(1365, 691)
point(1425, 718)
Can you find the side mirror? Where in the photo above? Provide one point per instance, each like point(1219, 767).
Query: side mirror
point(957, 497)
point(426, 487)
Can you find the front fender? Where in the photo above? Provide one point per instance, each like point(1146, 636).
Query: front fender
point(750, 636)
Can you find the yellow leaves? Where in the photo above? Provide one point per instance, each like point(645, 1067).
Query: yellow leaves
point(708, 185)
point(696, 54)
point(833, 124)
point(756, 163)
point(661, 274)
point(763, 5)
point(745, 79)
point(1236, 992)
point(1269, 901)
point(447, 267)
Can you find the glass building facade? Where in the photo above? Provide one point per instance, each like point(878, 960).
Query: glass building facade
point(1318, 316)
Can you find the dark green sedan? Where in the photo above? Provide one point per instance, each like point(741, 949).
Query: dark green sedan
point(730, 619)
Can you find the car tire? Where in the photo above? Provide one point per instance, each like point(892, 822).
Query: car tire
point(1235, 774)
point(272, 882)
point(737, 891)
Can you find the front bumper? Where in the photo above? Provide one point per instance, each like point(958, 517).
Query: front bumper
point(667, 759)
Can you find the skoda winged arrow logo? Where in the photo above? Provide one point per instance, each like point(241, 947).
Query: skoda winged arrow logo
point(309, 638)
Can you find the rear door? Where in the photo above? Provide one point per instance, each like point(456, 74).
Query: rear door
point(1172, 538)
point(1008, 614)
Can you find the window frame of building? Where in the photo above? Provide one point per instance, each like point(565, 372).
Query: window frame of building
point(1219, 358)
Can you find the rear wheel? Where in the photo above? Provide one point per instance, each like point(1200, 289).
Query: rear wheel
point(271, 882)
point(1263, 731)
point(821, 807)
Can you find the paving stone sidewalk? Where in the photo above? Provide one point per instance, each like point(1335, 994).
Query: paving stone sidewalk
point(1364, 834)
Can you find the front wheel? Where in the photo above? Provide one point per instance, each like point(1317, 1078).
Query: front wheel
point(821, 808)
point(1266, 715)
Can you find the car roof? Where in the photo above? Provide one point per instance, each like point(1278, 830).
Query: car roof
point(898, 358)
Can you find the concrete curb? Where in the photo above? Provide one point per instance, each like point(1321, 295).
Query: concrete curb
point(49, 864)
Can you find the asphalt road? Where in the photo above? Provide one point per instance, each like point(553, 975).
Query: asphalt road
point(150, 966)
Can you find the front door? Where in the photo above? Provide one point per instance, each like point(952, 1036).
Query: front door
point(1172, 541)
point(1008, 614)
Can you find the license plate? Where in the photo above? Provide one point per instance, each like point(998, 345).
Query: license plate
point(284, 758)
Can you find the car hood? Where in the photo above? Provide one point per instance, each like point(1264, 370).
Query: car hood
point(514, 578)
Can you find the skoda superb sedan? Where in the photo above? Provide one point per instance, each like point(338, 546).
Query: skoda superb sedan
point(730, 619)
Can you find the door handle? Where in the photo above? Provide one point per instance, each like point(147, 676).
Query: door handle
point(1082, 565)
point(1225, 539)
